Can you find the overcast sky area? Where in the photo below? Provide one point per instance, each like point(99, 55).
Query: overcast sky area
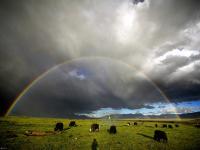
point(117, 47)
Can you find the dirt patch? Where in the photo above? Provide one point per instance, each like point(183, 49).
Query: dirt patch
point(40, 133)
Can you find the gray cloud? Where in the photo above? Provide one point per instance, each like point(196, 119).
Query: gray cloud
point(137, 1)
point(36, 36)
point(106, 84)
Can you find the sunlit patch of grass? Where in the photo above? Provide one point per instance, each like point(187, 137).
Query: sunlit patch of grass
point(138, 137)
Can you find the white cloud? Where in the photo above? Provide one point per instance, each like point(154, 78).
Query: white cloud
point(177, 52)
point(178, 58)
point(186, 73)
point(126, 23)
point(77, 74)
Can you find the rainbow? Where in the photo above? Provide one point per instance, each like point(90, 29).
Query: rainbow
point(42, 75)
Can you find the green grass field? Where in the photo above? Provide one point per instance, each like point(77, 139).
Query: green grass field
point(12, 129)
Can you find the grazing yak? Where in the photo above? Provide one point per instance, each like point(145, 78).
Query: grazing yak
point(160, 136)
point(176, 125)
point(94, 127)
point(128, 124)
point(135, 123)
point(72, 124)
point(59, 126)
point(197, 125)
point(164, 126)
point(112, 130)
point(156, 125)
point(170, 126)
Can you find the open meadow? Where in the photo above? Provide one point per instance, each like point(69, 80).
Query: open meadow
point(137, 137)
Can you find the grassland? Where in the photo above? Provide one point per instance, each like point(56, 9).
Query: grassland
point(12, 129)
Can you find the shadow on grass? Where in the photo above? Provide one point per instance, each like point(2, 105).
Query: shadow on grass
point(66, 129)
point(147, 136)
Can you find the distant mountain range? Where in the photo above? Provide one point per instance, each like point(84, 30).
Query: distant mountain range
point(190, 115)
point(141, 116)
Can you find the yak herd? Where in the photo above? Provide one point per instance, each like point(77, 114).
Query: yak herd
point(158, 134)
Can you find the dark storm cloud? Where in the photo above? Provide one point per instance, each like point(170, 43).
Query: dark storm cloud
point(149, 107)
point(137, 1)
point(36, 35)
point(63, 94)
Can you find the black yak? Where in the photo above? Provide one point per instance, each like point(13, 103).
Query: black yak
point(197, 125)
point(72, 124)
point(156, 125)
point(176, 125)
point(94, 127)
point(113, 129)
point(135, 123)
point(164, 125)
point(59, 126)
point(160, 135)
point(170, 126)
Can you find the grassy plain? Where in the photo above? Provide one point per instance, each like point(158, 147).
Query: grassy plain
point(12, 129)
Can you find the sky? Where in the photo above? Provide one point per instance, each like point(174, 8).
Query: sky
point(155, 109)
point(123, 56)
